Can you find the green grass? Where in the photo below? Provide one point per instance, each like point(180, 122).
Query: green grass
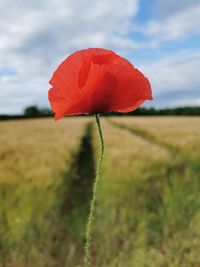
point(36, 159)
point(148, 210)
point(155, 203)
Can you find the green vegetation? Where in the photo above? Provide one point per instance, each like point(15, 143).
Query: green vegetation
point(148, 210)
point(36, 112)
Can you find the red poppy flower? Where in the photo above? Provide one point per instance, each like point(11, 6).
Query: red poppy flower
point(96, 80)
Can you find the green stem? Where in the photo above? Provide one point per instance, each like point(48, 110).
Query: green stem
point(93, 201)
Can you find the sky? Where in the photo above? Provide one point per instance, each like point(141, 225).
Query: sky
point(159, 37)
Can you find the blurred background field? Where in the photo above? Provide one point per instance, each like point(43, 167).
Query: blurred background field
point(148, 210)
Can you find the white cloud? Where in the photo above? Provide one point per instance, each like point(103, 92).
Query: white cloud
point(167, 8)
point(176, 77)
point(62, 24)
point(174, 26)
point(37, 35)
point(19, 91)
point(185, 102)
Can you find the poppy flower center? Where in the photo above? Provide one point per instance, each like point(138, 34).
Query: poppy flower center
point(89, 63)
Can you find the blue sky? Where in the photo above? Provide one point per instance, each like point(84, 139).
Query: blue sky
point(161, 38)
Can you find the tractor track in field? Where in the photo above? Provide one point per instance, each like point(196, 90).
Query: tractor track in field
point(80, 176)
point(179, 162)
point(145, 135)
point(74, 194)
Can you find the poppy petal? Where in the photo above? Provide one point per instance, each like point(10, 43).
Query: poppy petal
point(94, 98)
point(127, 89)
point(133, 106)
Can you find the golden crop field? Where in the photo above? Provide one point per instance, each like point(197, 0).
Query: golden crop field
point(148, 200)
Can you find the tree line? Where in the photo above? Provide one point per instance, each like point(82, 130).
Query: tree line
point(36, 112)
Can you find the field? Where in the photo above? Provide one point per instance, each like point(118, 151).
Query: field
point(148, 209)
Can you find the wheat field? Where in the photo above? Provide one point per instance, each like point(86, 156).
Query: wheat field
point(148, 208)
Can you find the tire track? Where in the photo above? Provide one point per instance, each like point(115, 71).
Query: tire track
point(74, 194)
point(179, 163)
point(145, 135)
point(179, 188)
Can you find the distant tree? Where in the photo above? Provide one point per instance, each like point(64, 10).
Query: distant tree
point(31, 112)
point(36, 112)
point(46, 112)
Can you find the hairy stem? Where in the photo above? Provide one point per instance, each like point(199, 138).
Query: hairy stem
point(93, 201)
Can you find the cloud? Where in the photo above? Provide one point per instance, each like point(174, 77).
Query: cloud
point(21, 91)
point(37, 35)
point(176, 25)
point(62, 26)
point(175, 79)
point(167, 8)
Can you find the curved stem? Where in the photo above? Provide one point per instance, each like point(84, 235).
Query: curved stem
point(93, 201)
